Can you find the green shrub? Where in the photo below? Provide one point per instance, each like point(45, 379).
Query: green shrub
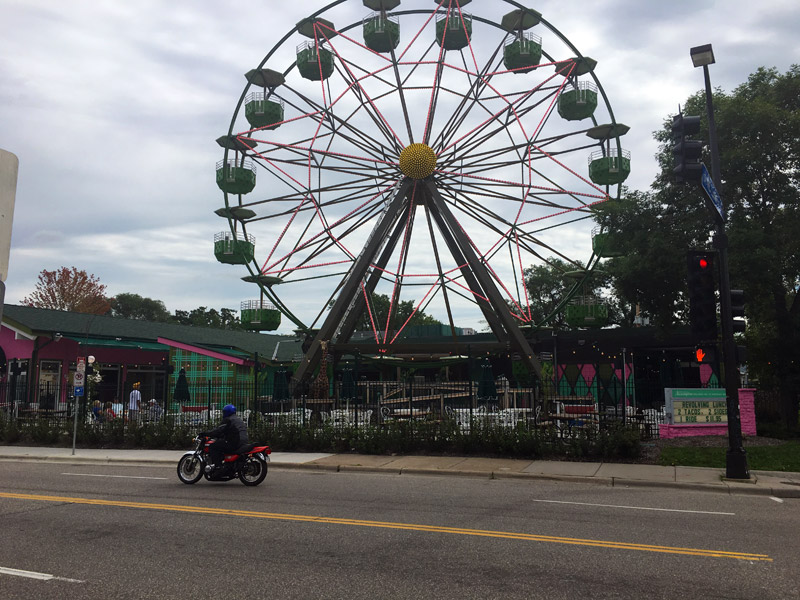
point(44, 432)
point(618, 441)
point(396, 437)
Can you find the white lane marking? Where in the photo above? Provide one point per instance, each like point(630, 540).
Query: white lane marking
point(35, 575)
point(117, 476)
point(776, 499)
point(698, 512)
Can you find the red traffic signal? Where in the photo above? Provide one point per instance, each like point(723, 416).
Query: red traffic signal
point(702, 295)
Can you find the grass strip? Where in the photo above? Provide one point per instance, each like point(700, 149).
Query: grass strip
point(785, 457)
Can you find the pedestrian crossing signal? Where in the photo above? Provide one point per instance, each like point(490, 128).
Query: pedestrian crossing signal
point(706, 354)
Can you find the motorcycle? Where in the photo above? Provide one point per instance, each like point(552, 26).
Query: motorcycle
point(249, 465)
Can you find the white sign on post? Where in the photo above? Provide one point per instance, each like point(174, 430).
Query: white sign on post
point(78, 379)
point(81, 364)
point(9, 167)
point(711, 190)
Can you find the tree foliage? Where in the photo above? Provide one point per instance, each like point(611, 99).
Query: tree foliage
point(69, 289)
point(550, 283)
point(379, 308)
point(74, 290)
point(205, 317)
point(758, 127)
point(134, 306)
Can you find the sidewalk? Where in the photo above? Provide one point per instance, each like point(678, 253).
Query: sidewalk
point(780, 485)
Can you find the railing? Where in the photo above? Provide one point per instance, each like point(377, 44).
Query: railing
point(461, 405)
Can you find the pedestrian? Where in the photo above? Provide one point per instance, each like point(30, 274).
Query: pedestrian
point(109, 412)
point(97, 412)
point(154, 411)
point(133, 403)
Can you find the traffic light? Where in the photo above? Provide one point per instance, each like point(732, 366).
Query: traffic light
point(702, 295)
point(737, 310)
point(686, 152)
point(706, 354)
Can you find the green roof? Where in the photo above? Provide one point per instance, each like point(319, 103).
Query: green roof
point(104, 330)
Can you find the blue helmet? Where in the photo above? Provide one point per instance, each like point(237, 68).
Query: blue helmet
point(228, 410)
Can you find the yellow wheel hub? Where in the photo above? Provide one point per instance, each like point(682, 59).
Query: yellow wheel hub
point(417, 161)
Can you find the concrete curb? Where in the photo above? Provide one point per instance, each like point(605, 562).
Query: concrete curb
point(603, 481)
point(731, 487)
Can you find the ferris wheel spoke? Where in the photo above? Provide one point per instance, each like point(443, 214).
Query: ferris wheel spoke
point(514, 111)
point(369, 106)
point(301, 245)
point(347, 191)
point(480, 151)
point(338, 126)
point(318, 244)
point(480, 81)
point(482, 215)
point(439, 72)
point(324, 240)
point(514, 108)
point(348, 194)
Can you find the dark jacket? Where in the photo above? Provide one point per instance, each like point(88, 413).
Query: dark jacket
point(233, 430)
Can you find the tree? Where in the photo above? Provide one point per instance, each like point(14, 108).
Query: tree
point(379, 306)
point(69, 289)
point(758, 129)
point(203, 317)
point(653, 231)
point(134, 306)
point(547, 287)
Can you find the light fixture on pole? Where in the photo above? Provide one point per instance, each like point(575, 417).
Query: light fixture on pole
point(736, 457)
point(702, 55)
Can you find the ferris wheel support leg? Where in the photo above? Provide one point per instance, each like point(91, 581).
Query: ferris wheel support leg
point(349, 323)
point(488, 312)
point(354, 279)
point(517, 339)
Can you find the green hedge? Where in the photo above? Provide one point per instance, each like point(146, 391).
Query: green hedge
point(399, 437)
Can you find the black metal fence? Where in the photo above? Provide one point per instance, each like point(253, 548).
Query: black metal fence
point(415, 402)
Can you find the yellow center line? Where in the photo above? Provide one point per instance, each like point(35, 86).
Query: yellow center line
point(530, 537)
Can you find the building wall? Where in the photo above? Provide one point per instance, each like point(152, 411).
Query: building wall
point(210, 380)
point(54, 385)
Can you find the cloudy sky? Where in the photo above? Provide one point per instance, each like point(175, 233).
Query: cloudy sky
point(113, 108)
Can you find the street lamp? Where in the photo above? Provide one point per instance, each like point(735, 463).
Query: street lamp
point(736, 458)
point(702, 55)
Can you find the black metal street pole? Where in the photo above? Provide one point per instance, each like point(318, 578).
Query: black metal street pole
point(736, 457)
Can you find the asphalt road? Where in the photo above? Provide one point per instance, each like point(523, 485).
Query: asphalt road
point(136, 532)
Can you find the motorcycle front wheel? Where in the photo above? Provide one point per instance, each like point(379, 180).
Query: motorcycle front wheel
point(190, 469)
point(253, 471)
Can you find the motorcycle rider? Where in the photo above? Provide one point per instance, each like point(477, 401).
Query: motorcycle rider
point(231, 435)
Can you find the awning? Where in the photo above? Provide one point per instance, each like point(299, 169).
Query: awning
point(118, 343)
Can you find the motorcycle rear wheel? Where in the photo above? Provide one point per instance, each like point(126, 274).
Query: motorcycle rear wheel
point(190, 469)
point(253, 471)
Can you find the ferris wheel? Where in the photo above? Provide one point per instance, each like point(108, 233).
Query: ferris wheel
point(422, 154)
